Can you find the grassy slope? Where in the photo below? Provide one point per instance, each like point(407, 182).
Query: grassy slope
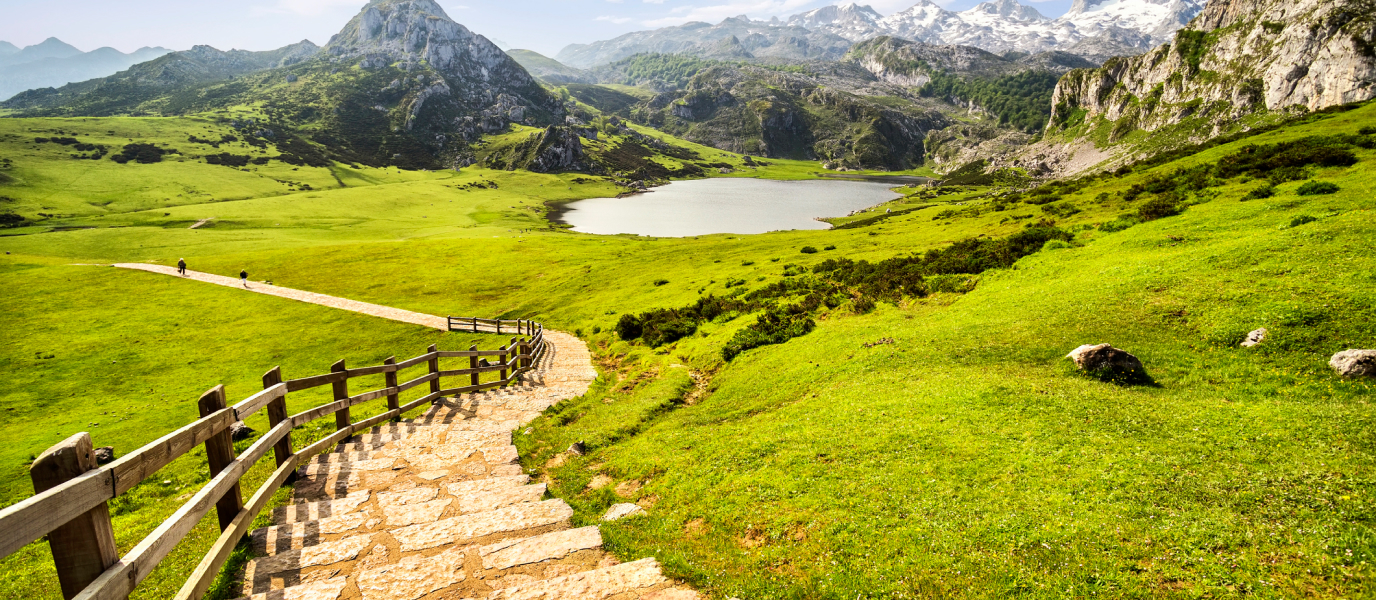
point(963, 459)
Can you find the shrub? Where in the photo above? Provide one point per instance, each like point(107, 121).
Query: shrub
point(830, 247)
point(1368, 130)
point(1315, 188)
point(1056, 245)
point(1265, 191)
point(629, 327)
point(1301, 220)
point(141, 153)
point(730, 283)
point(659, 282)
point(1119, 224)
point(1285, 174)
point(808, 250)
point(1165, 205)
point(776, 326)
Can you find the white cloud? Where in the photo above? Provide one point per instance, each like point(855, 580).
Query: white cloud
point(611, 19)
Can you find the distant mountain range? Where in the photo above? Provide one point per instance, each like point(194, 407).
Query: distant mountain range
point(1094, 29)
point(53, 63)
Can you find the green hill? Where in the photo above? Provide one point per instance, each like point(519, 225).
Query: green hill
point(927, 440)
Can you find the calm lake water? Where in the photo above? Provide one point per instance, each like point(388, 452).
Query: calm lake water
point(703, 206)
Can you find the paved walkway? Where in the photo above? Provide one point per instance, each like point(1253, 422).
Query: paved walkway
point(376, 310)
point(436, 507)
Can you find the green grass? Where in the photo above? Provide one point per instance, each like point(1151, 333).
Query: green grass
point(965, 459)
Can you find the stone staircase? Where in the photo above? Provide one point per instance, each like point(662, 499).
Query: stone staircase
point(437, 507)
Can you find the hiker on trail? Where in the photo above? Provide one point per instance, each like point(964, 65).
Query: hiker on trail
point(243, 276)
point(181, 267)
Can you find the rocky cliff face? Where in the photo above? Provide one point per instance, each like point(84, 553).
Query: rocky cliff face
point(1236, 58)
point(557, 148)
point(826, 114)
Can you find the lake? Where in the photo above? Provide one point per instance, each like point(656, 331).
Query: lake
point(725, 205)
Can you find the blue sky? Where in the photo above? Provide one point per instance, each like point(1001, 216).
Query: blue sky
point(545, 26)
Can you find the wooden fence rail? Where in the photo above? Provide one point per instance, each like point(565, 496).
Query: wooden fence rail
point(71, 490)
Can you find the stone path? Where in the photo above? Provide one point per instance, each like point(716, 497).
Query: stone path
point(376, 310)
point(436, 507)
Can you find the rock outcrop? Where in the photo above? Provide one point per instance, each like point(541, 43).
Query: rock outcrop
point(1103, 358)
point(1255, 337)
point(1236, 58)
point(557, 148)
point(1354, 363)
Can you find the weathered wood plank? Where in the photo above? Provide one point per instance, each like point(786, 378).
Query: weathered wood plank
point(306, 383)
point(411, 362)
point(368, 423)
point(39, 515)
point(245, 408)
point(417, 381)
point(219, 453)
point(371, 371)
point(85, 546)
point(426, 399)
point(468, 353)
point(342, 419)
point(304, 417)
point(372, 395)
point(325, 444)
point(277, 412)
point(204, 575)
point(138, 465)
point(470, 371)
point(119, 580)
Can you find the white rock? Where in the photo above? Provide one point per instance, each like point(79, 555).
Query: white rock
point(1354, 363)
point(621, 511)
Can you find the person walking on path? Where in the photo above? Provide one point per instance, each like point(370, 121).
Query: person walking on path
point(243, 276)
point(181, 267)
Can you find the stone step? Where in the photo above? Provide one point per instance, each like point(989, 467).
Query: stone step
point(462, 528)
point(314, 511)
point(328, 589)
point(627, 578)
point(524, 551)
point(283, 570)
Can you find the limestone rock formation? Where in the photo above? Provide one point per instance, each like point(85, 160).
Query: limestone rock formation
point(1354, 363)
point(1104, 358)
point(1237, 57)
point(557, 148)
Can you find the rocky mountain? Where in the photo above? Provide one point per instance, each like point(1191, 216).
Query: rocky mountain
point(23, 70)
point(547, 69)
point(834, 112)
point(735, 38)
point(119, 93)
point(1236, 58)
point(400, 84)
point(1093, 29)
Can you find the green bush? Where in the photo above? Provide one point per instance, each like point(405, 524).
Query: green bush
point(659, 282)
point(1265, 191)
point(1165, 205)
point(830, 247)
point(1301, 220)
point(1056, 245)
point(1368, 130)
point(629, 327)
point(808, 250)
point(1119, 224)
point(1316, 188)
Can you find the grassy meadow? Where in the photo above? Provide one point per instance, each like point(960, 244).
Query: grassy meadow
point(937, 446)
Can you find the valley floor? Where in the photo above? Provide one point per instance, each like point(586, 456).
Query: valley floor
point(938, 445)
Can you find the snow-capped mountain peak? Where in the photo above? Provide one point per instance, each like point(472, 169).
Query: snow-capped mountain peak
point(850, 20)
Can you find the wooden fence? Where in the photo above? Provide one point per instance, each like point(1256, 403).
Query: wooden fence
point(71, 490)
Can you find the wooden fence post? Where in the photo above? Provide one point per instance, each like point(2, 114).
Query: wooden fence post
point(341, 392)
point(393, 400)
point(475, 324)
point(434, 370)
point(277, 412)
point(84, 547)
point(499, 325)
point(501, 361)
point(219, 452)
point(473, 364)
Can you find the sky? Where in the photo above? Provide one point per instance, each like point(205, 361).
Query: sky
point(545, 26)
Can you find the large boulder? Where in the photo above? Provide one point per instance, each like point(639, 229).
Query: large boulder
point(1354, 363)
point(1104, 358)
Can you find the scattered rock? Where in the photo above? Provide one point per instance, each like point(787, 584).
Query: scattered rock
point(621, 511)
point(105, 454)
point(239, 431)
point(1354, 363)
point(578, 448)
point(1254, 338)
point(1104, 357)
